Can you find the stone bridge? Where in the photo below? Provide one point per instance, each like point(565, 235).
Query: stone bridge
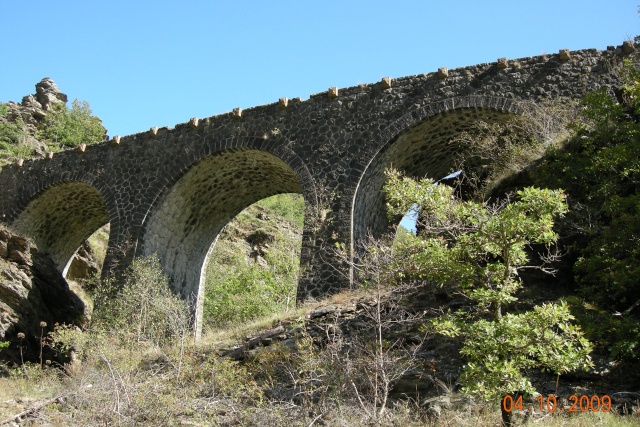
point(170, 191)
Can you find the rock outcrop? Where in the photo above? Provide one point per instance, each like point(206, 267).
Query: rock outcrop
point(84, 263)
point(32, 290)
point(33, 108)
point(32, 111)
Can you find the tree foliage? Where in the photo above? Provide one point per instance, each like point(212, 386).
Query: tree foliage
point(479, 248)
point(69, 127)
point(12, 137)
point(600, 169)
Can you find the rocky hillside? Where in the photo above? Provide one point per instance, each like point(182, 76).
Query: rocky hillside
point(43, 122)
point(32, 290)
point(21, 122)
point(33, 108)
point(254, 267)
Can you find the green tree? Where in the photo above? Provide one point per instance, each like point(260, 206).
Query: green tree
point(480, 248)
point(600, 169)
point(69, 127)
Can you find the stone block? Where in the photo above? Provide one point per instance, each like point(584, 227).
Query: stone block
point(283, 103)
point(237, 113)
point(564, 55)
point(443, 72)
point(49, 155)
point(81, 148)
point(332, 92)
point(19, 163)
point(193, 122)
point(502, 63)
point(386, 82)
point(153, 131)
point(115, 140)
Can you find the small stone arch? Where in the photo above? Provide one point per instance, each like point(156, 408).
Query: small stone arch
point(62, 212)
point(183, 223)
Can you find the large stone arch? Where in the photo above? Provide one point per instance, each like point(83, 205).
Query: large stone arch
point(61, 213)
point(419, 144)
point(184, 222)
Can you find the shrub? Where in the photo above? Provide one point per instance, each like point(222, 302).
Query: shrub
point(600, 170)
point(69, 127)
point(145, 309)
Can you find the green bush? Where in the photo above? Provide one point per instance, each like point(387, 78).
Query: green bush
point(145, 308)
point(600, 171)
point(12, 137)
point(238, 287)
point(240, 295)
point(69, 127)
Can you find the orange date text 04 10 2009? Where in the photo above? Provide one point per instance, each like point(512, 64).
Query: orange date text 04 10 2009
point(581, 403)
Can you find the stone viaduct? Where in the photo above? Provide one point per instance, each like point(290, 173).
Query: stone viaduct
point(170, 191)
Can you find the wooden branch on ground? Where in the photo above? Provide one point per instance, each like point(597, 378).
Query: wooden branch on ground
point(36, 408)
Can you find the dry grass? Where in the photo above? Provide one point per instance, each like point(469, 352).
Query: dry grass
point(481, 416)
point(139, 384)
point(129, 382)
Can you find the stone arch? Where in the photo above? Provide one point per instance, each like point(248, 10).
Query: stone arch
point(59, 215)
point(184, 222)
point(419, 144)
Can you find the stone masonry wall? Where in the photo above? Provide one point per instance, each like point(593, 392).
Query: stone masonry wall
point(171, 191)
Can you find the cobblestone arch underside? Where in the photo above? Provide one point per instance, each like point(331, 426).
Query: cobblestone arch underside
point(184, 225)
point(425, 149)
point(61, 217)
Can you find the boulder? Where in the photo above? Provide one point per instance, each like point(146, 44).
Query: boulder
point(47, 93)
point(84, 263)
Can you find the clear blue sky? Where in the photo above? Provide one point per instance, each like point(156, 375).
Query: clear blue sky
point(157, 63)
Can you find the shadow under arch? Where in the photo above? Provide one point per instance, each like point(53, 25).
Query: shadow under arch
point(421, 143)
point(184, 223)
point(61, 217)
